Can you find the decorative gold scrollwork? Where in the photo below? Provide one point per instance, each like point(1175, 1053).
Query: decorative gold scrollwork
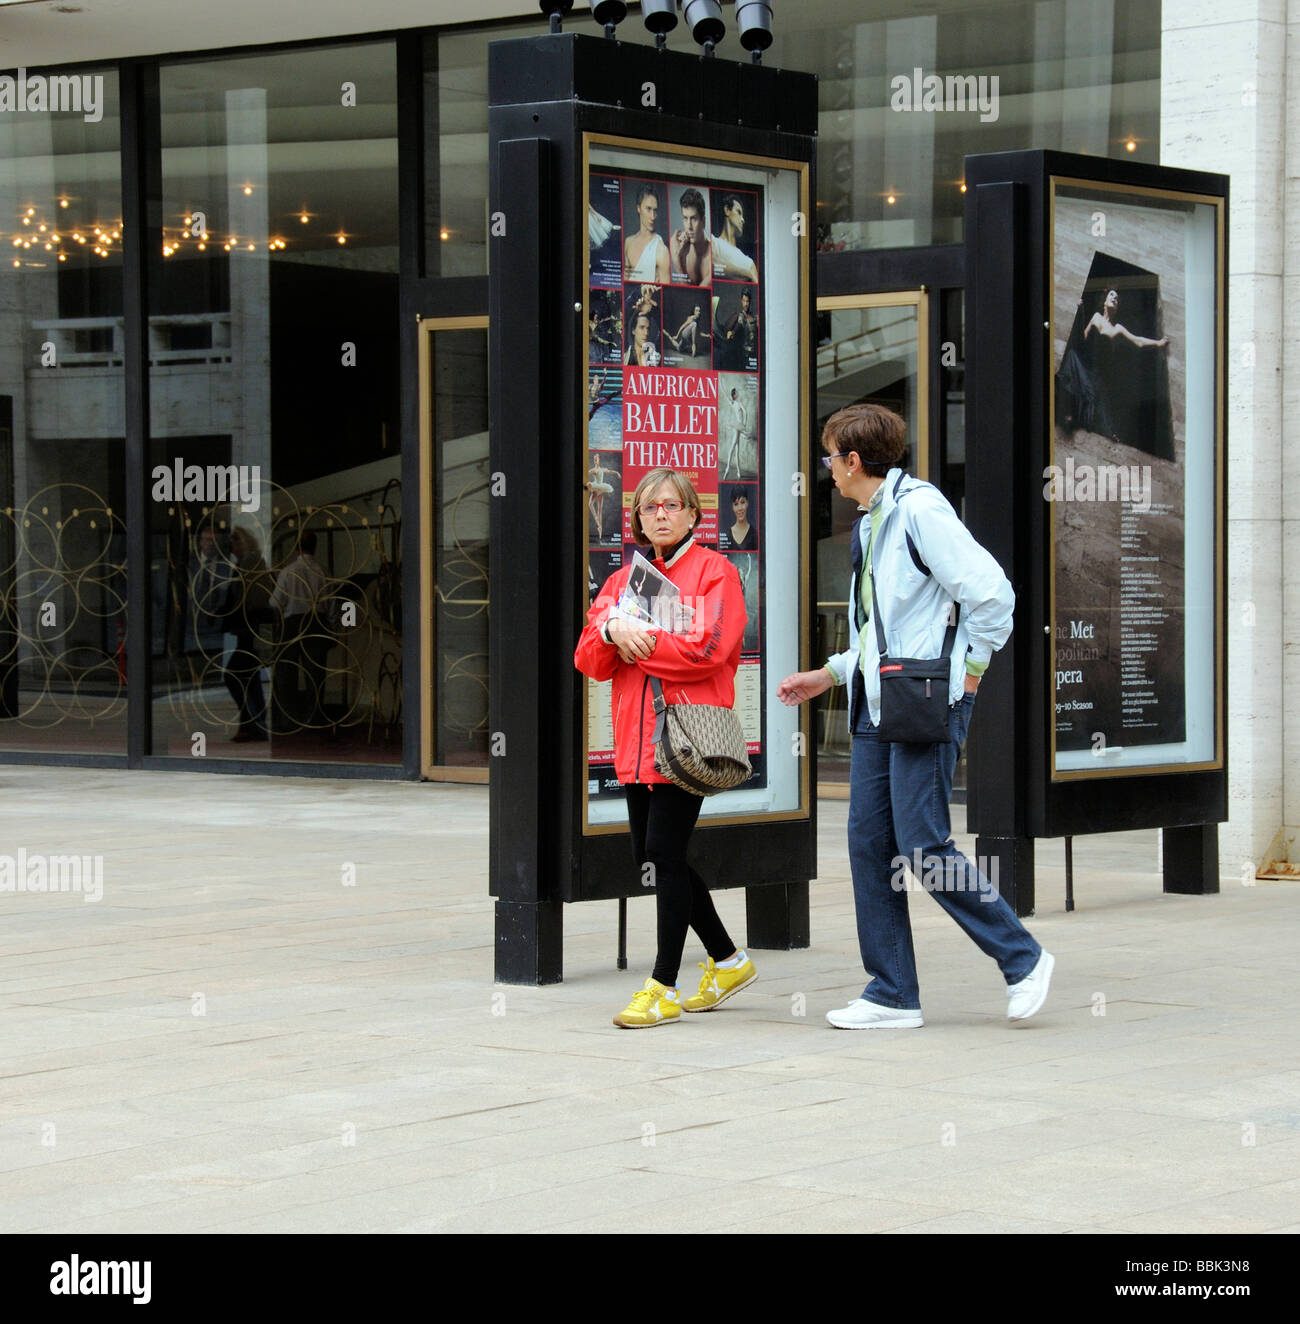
point(62, 609)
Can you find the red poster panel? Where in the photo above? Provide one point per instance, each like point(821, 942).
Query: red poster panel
point(670, 420)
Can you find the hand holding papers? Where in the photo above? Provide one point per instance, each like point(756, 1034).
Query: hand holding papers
point(653, 601)
point(648, 604)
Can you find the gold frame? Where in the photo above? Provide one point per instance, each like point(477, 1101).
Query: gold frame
point(1220, 406)
point(429, 771)
point(802, 169)
point(920, 300)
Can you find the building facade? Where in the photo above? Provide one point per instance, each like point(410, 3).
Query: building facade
point(243, 349)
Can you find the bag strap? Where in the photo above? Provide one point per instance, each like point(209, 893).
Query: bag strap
point(660, 707)
point(950, 635)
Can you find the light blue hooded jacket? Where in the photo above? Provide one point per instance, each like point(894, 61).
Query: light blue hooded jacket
point(915, 608)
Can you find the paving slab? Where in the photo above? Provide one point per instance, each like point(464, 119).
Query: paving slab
point(281, 1017)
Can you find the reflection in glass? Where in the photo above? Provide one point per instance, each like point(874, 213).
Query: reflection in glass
point(63, 626)
point(1014, 75)
point(460, 494)
point(276, 495)
point(456, 147)
point(863, 354)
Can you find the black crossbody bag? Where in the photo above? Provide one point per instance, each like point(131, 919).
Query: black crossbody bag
point(913, 691)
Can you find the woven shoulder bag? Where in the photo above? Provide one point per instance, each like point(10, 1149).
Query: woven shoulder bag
point(698, 746)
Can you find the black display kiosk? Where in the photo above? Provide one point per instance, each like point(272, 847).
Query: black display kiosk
point(651, 303)
point(1096, 423)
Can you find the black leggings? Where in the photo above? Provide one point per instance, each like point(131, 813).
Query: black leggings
point(662, 819)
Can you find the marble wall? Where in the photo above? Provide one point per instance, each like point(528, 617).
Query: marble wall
point(1227, 100)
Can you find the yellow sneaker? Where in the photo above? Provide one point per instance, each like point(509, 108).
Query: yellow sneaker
point(718, 985)
point(652, 1006)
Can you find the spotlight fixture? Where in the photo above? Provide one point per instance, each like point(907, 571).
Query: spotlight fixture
point(754, 23)
point(704, 17)
point(555, 10)
point(609, 13)
point(660, 17)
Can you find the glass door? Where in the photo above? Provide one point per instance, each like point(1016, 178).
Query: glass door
point(870, 348)
point(454, 493)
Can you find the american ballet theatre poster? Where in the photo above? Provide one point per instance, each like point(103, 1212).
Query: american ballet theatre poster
point(1131, 483)
point(681, 274)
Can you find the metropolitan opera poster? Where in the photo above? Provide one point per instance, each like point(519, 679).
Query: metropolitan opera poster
point(675, 366)
point(1131, 478)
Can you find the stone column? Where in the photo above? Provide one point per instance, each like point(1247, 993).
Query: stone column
point(250, 292)
point(1224, 107)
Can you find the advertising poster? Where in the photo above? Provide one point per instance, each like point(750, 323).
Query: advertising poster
point(1131, 480)
point(675, 281)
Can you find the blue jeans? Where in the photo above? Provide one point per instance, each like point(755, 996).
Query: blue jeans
point(898, 819)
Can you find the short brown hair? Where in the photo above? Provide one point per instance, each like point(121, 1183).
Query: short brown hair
point(876, 434)
point(652, 483)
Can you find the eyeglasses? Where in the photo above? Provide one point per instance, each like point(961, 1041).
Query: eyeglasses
point(648, 508)
point(839, 455)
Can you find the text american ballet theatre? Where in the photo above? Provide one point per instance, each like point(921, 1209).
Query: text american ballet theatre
point(671, 419)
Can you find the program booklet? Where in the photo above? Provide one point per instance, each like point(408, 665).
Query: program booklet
point(653, 601)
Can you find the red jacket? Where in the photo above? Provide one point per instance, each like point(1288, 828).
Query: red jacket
point(699, 667)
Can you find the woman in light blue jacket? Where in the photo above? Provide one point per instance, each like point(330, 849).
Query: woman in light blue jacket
point(928, 573)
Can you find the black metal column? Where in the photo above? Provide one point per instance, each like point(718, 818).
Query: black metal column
point(529, 915)
point(1191, 859)
point(141, 243)
point(776, 916)
point(996, 382)
point(410, 138)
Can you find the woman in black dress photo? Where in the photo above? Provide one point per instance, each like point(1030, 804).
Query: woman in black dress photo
point(1097, 377)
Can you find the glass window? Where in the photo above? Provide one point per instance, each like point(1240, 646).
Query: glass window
point(908, 91)
point(275, 457)
point(456, 145)
point(869, 351)
point(63, 626)
point(455, 396)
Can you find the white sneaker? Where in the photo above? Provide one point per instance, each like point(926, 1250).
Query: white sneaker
point(1028, 996)
point(863, 1015)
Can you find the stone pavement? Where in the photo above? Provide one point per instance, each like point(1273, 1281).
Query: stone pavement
point(281, 1017)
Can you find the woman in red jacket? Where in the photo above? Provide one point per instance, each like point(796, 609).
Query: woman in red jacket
point(698, 667)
